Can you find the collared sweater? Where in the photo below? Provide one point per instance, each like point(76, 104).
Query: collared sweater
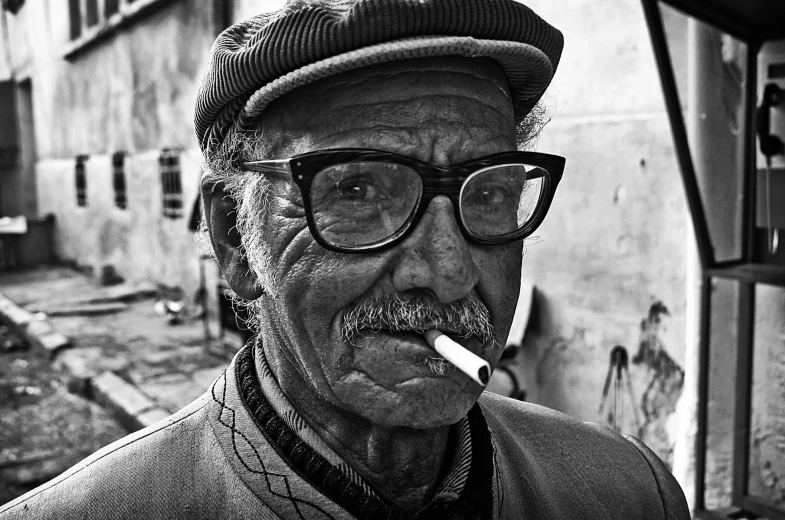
point(238, 452)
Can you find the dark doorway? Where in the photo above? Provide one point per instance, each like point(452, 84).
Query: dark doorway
point(27, 148)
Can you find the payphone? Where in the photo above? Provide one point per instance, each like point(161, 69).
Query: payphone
point(770, 129)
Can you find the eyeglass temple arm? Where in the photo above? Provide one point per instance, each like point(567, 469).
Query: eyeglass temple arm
point(273, 166)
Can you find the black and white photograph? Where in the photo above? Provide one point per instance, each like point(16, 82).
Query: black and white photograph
point(392, 259)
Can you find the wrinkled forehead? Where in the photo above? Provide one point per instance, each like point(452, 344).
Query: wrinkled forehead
point(442, 94)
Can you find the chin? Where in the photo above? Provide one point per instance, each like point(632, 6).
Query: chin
point(420, 404)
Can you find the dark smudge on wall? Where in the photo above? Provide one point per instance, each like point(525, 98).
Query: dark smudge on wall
point(665, 380)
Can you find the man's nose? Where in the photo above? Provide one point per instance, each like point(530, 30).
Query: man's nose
point(436, 256)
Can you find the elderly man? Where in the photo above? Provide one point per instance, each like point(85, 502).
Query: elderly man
point(366, 197)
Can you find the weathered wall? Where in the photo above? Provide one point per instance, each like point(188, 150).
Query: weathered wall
point(131, 92)
point(609, 261)
point(5, 58)
point(244, 9)
point(138, 242)
point(767, 428)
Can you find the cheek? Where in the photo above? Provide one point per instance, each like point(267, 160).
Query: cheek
point(500, 281)
point(315, 286)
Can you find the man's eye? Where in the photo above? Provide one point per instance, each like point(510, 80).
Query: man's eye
point(352, 189)
point(360, 189)
point(490, 195)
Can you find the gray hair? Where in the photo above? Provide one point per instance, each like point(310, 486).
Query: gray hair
point(250, 192)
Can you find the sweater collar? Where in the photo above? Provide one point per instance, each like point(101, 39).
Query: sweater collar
point(466, 488)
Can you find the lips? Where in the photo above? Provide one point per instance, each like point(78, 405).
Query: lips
point(365, 336)
point(450, 332)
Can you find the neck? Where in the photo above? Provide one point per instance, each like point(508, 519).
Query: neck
point(404, 464)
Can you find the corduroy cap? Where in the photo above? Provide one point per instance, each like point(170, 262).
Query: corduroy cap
point(259, 60)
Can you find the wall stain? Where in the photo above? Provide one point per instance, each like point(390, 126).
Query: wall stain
point(665, 381)
point(561, 352)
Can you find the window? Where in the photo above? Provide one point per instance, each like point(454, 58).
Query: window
point(75, 18)
point(92, 12)
point(118, 180)
point(89, 19)
point(111, 7)
point(171, 184)
point(81, 181)
point(12, 6)
point(9, 136)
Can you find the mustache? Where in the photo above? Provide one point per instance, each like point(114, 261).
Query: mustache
point(467, 317)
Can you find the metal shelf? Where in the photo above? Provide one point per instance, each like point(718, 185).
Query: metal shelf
point(750, 273)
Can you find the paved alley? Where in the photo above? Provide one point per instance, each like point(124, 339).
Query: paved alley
point(117, 366)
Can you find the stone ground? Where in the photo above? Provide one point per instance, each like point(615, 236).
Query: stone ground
point(122, 351)
point(44, 429)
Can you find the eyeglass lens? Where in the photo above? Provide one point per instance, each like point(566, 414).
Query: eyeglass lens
point(364, 203)
point(500, 199)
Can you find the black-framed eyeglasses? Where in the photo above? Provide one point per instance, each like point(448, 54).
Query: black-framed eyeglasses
point(359, 200)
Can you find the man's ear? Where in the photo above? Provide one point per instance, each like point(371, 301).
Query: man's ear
point(221, 219)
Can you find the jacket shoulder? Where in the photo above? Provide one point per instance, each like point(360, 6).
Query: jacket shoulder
point(576, 466)
point(673, 500)
point(173, 469)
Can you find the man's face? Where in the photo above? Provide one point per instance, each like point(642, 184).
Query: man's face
point(441, 111)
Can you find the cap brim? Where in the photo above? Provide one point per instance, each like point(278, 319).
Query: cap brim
point(527, 68)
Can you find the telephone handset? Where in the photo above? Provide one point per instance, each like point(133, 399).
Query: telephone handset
point(770, 145)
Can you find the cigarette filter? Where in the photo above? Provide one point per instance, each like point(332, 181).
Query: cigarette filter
point(464, 360)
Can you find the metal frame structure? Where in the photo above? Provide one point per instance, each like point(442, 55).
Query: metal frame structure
point(744, 272)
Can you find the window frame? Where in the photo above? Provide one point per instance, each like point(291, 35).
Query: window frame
point(80, 180)
point(119, 180)
point(171, 175)
point(84, 36)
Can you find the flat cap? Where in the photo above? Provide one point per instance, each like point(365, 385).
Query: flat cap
point(257, 61)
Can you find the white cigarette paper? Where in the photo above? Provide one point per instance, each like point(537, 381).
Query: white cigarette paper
point(464, 360)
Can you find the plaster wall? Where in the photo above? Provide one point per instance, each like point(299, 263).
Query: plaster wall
point(244, 9)
point(138, 242)
point(6, 60)
point(17, 54)
point(609, 263)
point(767, 429)
point(132, 91)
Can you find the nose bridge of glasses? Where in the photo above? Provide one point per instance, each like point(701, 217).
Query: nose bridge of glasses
point(442, 184)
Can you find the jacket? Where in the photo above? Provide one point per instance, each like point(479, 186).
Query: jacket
point(216, 459)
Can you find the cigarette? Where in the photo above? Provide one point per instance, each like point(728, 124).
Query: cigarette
point(470, 364)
